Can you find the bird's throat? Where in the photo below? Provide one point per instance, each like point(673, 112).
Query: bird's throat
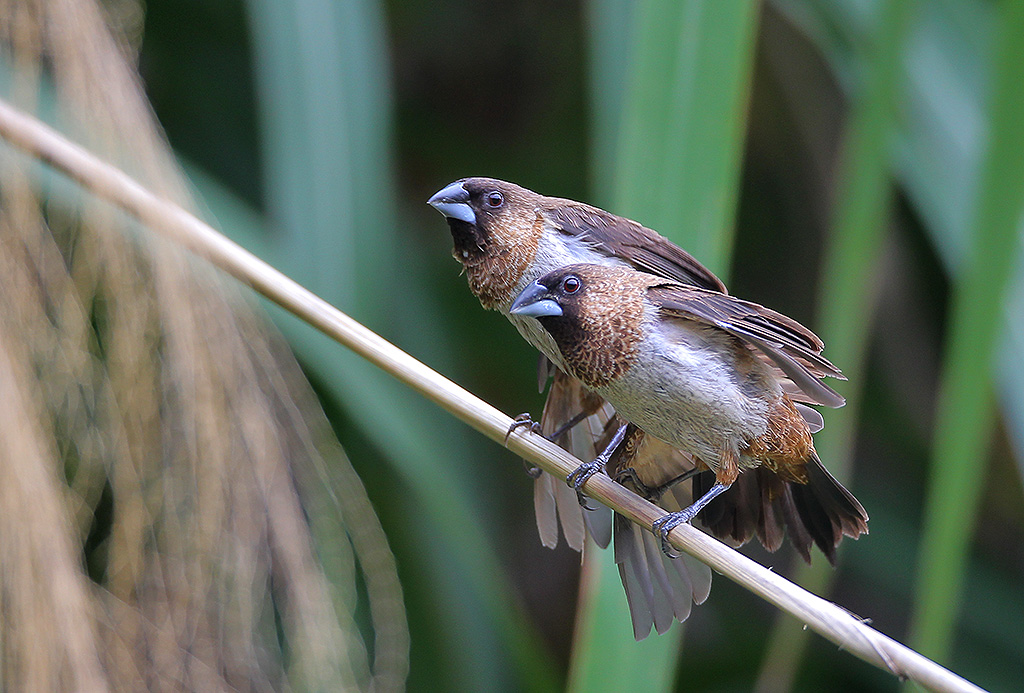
point(594, 357)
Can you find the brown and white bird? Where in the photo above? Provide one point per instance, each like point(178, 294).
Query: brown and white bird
point(506, 237)
point(718, 377)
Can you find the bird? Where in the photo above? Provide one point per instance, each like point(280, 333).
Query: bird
point(506, 236)
point(723, 379)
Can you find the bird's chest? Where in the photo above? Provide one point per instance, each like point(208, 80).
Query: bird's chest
point(689, 390)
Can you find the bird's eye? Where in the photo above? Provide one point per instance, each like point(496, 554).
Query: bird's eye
point(495, 199)
point(571, 284)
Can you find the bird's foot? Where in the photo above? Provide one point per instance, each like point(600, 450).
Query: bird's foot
point(589, 469)
point(642, 489)
point(524, 420)
point(652, 493)
point(665, 524)
point(579, 477)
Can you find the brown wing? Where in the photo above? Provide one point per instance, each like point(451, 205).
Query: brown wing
point(790, 346)
point(638, 245)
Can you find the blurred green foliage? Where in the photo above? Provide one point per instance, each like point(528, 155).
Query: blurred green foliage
point(316, 129)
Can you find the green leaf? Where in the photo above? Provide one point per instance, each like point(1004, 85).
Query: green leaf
point(683, 122)
point(323, 79)
point(938, 153)
point(938, 149)
point(851, 263)
point(964, 420)
point(325, 107)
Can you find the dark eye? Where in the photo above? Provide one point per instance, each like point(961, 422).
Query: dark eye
point(571, 284)
point(495, 199)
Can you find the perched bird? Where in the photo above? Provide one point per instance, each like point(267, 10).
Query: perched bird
point(715, 376)
point(506, 237)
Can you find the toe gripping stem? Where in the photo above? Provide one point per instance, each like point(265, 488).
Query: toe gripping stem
point(652, 493)
point(524, 420)
point(665, 524)
point(588, 469)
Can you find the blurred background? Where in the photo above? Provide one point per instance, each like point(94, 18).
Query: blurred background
point(856, 165)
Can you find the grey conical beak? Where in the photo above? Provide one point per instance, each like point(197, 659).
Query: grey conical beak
point(535, 302)
point(453, 201)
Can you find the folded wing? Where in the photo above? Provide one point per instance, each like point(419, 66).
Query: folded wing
point(788, 345)
point(638, 245)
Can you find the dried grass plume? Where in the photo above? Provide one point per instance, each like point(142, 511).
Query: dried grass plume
point(169, 489)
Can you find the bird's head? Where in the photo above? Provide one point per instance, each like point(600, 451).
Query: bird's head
point(594, 313)
point(495, 228)
point(485, 215)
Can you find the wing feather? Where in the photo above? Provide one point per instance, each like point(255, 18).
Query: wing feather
point(638, 245)
point(790, 346)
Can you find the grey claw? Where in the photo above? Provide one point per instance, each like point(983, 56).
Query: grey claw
point(532, 471)
point(523, 420)
point(664, 525)
point(579, 477)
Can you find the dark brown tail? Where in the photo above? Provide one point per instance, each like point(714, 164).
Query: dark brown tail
point(821, 511)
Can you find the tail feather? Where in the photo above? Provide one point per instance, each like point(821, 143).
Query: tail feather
point(546, 509)
point(639, 613)
point(820, 512)
point(734, 516)
point(827, 509)
point(555, 504)
point(799, 536)
point(675, 595)
point(770, 526)
point(692, 571)
point(570, 514)
point(659, 590)
point(587, 440)
point(697, 575)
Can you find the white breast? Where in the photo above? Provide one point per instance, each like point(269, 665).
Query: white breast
point(685, 391)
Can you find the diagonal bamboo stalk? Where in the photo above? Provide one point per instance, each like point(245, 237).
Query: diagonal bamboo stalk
point(41, 142)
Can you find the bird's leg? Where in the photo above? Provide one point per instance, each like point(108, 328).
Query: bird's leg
point(564, 428)
point(642, 489)
point(589, 469)
point(653, 493)
point(725, 475)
